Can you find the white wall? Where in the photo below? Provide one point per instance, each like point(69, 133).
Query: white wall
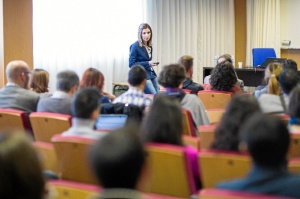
point(290, 22)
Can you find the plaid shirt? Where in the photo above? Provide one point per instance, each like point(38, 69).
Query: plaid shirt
point(134, 96)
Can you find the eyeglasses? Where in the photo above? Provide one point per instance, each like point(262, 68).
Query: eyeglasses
point(27, 73)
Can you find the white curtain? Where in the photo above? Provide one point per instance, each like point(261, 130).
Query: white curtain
point(77, 34)
point(263, 26)
point(200, 28)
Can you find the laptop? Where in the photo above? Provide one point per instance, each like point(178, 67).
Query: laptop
point(271, 60)
point(109, 122)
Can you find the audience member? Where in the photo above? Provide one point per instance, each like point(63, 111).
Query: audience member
point(294, 110)
point(188, 62)
point(224, 58)
point(15, 94)
point(272, 69)
point(20, 171)
point(92, 77)
point(267, 139)
point(223, 78)
point(273, 103)
point(135, 95)
point(39, 81)
point(118, 160)
point(171, 77)
point(289, 64)
point(168, 129)
point(85, 110)
point(60, 102)
point(240, 108)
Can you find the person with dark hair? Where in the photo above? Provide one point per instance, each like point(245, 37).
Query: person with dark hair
point(223, 78)
point(60, 102)
point(20, 170)
point(85, 110)
point(271, 103)
point(224, 58)
point(135, 95)
point(117, 161)
point(267, 139)
point(15, 93)
point(239, 109)
point(168, 129)
point(92, 77)
point(188, 62)
point(171, 78)
point(141, 54)
point(289, 64)
point(294, 110)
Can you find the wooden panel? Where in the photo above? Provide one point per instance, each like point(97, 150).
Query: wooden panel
point(292, 54)
point(18, 36)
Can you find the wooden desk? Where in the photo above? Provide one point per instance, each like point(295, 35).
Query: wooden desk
point(251, 76)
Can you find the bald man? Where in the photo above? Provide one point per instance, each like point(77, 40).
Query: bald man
point(15, 94)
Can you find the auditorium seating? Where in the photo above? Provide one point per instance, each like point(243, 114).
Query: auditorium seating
point(46, 155)
point(207, 135)
point(294, 165)
point(192, 141)
point(169, 171)
point(72, 156)
point(217, 166)
point(212, 99)
point(11, 118)
point(294, 150)
point(45, 125)
point(214, 115)
point(187, 122)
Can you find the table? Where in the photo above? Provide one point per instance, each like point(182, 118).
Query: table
point(252, 77)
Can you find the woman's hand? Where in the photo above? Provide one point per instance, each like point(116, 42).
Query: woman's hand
point(153, 63)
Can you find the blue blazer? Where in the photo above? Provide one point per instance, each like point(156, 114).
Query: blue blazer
point(139, 55)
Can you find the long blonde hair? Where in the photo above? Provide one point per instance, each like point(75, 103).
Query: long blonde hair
point(272, 74)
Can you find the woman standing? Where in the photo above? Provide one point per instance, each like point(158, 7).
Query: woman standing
point(141, 53)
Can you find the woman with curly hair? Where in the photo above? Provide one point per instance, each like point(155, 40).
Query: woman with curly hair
point(240, 108)
point(223, 78)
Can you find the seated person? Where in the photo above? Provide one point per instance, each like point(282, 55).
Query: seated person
point(188, 62)
point(272, 69)
point(272, 103)
point(223, 78)
point(85, 110)
point(137, 78)
point(267, 140)
point(294, 110)
point(223, 58)
point(39, 81)
point(171, 78)
point(289, 64)
point(118, 161)
point(20, 169)
point(238, 111)
point(92, 77)
point(15, 93)
point(168, 129)
point(60, 102)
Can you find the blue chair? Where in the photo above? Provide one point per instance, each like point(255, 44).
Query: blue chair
point(261, 54)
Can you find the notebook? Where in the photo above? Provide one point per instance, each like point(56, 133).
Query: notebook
point(108, 122)
point(270, 60)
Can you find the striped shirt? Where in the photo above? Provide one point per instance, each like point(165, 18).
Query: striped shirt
point(134, 96)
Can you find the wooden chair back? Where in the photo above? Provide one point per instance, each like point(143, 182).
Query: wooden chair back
point(47, 155)
point(215, 115)
point(294, 165)
point(207, 135)
point(187, 122)
point(164, 177)
point(294, 149)
point(45, 125)
point(72, 156)
point(74, 190)
point(214, 99)
point(192, 141)
point(16, 119)
point(218, 166)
